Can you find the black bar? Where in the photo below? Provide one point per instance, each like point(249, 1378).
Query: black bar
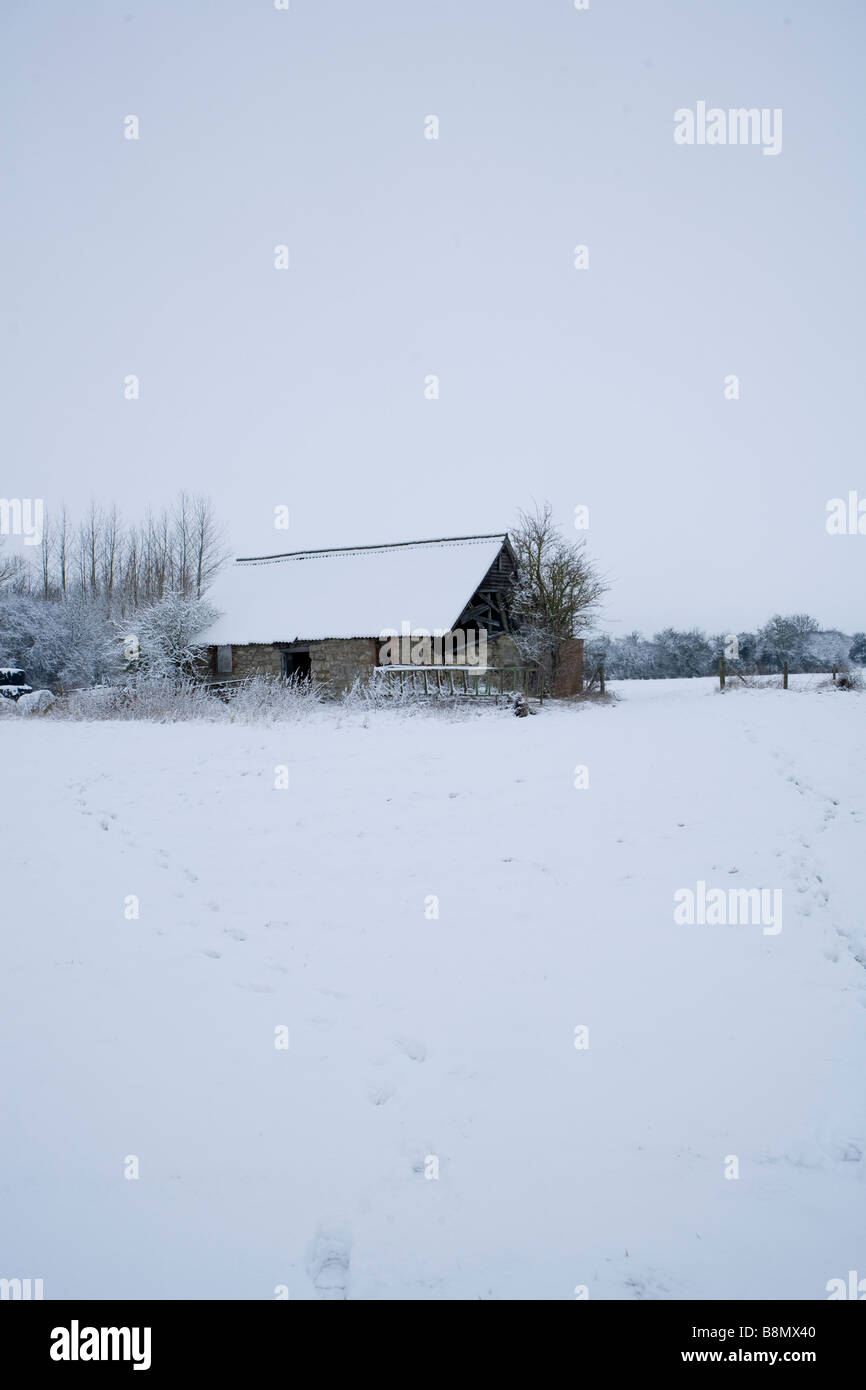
point(220, 1338)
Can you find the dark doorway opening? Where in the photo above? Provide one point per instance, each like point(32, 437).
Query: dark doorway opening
point(296, 666)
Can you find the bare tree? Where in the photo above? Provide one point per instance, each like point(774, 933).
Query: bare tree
point(110, 554)
point(209, 546)
point(131, 570)
point(11, 568)
point(157, 556)
point(558, 591)
point(181, 545)
point(46, 555)
point(90, 539)
point(62, 549)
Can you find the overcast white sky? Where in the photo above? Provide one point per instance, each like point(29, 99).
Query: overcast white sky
point(412, 256)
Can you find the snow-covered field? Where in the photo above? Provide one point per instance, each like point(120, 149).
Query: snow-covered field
point(417, 1042)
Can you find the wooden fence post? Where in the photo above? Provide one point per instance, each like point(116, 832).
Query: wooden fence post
point(834, 675)
point(601, 679)
point(785, 676)
point(721, 673)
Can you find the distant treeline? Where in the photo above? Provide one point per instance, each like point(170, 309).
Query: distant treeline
point(796, 639)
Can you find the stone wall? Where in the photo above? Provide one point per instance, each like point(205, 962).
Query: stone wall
point(338, 662)
point(335, 663)
point(256, 659)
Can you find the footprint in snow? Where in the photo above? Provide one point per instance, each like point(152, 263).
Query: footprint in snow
point(648, 1284)
point(847, 1150)
point(643, 1281)
point(328, 1258)
point(381, 1093)
point(412, 1048)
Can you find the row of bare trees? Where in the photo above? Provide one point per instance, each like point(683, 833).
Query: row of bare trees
point(122, 566)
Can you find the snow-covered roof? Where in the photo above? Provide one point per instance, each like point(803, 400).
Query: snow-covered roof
point(357, 592)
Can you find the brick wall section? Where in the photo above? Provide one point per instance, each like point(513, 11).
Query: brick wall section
point(339, 661)
point(568, 677)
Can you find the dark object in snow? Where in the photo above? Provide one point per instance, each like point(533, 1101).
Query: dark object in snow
point(521, 707)
point(13, 683)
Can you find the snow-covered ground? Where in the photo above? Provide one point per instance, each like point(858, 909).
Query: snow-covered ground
point(417, 1042)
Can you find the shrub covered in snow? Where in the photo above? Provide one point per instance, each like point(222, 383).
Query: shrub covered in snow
point(58, 644)
point(166, 633)
point(847, 680)
point(37, 702)
point(73, 643)
point(270, 699)
point(154, 698)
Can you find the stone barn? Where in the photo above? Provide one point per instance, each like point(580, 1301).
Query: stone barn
point(337, 615)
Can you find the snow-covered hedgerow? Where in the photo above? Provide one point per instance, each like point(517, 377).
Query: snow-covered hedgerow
point(262, 700)
point(161, 700)
point(167, 700)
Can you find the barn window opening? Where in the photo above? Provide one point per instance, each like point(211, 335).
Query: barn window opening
point(297, 666)
point(224, 661)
